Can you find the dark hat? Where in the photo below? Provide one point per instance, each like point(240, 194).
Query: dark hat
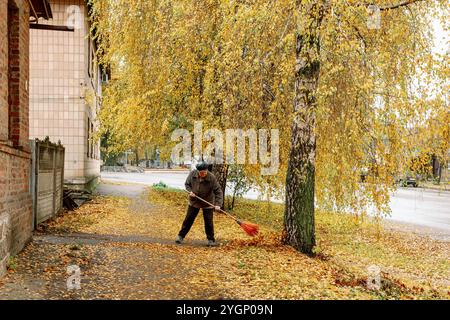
point(202, 166)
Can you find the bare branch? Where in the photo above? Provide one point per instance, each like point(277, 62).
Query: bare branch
point(398, 5)
point(392, 6)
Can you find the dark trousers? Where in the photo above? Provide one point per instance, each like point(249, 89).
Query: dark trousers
point(191, 214)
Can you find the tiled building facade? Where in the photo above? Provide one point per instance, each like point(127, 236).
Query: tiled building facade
point(15, 198)
point(65, 90)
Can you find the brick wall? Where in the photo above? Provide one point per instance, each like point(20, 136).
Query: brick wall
point(15, 203)
point(15, 199)
point(3, 72)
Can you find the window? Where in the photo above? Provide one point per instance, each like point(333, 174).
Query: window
point(89, 57)
point(92, 142)
point(91, 146)
point(88, 137)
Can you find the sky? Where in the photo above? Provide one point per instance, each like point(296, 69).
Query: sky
point(441, 38)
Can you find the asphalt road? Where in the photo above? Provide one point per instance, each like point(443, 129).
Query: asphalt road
point(420, 207)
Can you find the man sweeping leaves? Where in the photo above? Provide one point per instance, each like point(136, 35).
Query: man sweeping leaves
point(201, 184)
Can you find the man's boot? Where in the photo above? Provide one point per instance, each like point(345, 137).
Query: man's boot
point(179, 239)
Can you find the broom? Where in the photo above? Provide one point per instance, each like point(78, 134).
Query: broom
point(249, 228)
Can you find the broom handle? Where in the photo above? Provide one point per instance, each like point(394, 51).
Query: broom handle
point(223, 211)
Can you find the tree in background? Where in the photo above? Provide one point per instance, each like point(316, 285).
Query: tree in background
point(238, 183)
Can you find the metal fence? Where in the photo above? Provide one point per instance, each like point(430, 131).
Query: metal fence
point(47, 179)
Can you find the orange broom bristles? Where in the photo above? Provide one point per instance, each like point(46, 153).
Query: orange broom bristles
point(249, 228)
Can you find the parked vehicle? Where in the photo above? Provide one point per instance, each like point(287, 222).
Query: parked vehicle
point(409, 180)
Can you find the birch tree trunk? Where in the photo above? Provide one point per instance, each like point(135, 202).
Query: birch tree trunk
point(299, 229)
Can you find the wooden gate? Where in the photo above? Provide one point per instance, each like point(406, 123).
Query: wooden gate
point(47, 179)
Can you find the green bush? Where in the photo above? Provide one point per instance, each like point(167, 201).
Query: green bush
point(160, 185)
point(11, 264)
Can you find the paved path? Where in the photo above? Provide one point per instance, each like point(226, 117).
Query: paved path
point(92, 239)
point(114, 266)
point(126, 190)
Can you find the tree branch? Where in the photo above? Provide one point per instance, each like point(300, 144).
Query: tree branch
point(398, 5)
point(391, 6)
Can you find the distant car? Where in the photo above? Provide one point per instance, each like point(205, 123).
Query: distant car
point(408, 181)
point(363, 174)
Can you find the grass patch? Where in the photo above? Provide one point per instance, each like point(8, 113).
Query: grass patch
point(412, 266)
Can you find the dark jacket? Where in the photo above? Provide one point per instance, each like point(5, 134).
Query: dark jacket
point(207, 188)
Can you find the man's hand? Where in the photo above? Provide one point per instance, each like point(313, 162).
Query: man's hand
point(217, 208)
point(191, 194)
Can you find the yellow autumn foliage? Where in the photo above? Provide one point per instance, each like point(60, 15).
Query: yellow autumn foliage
point(382, 97)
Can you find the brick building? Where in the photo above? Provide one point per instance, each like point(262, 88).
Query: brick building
point(65, 90)
point(15, 198)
